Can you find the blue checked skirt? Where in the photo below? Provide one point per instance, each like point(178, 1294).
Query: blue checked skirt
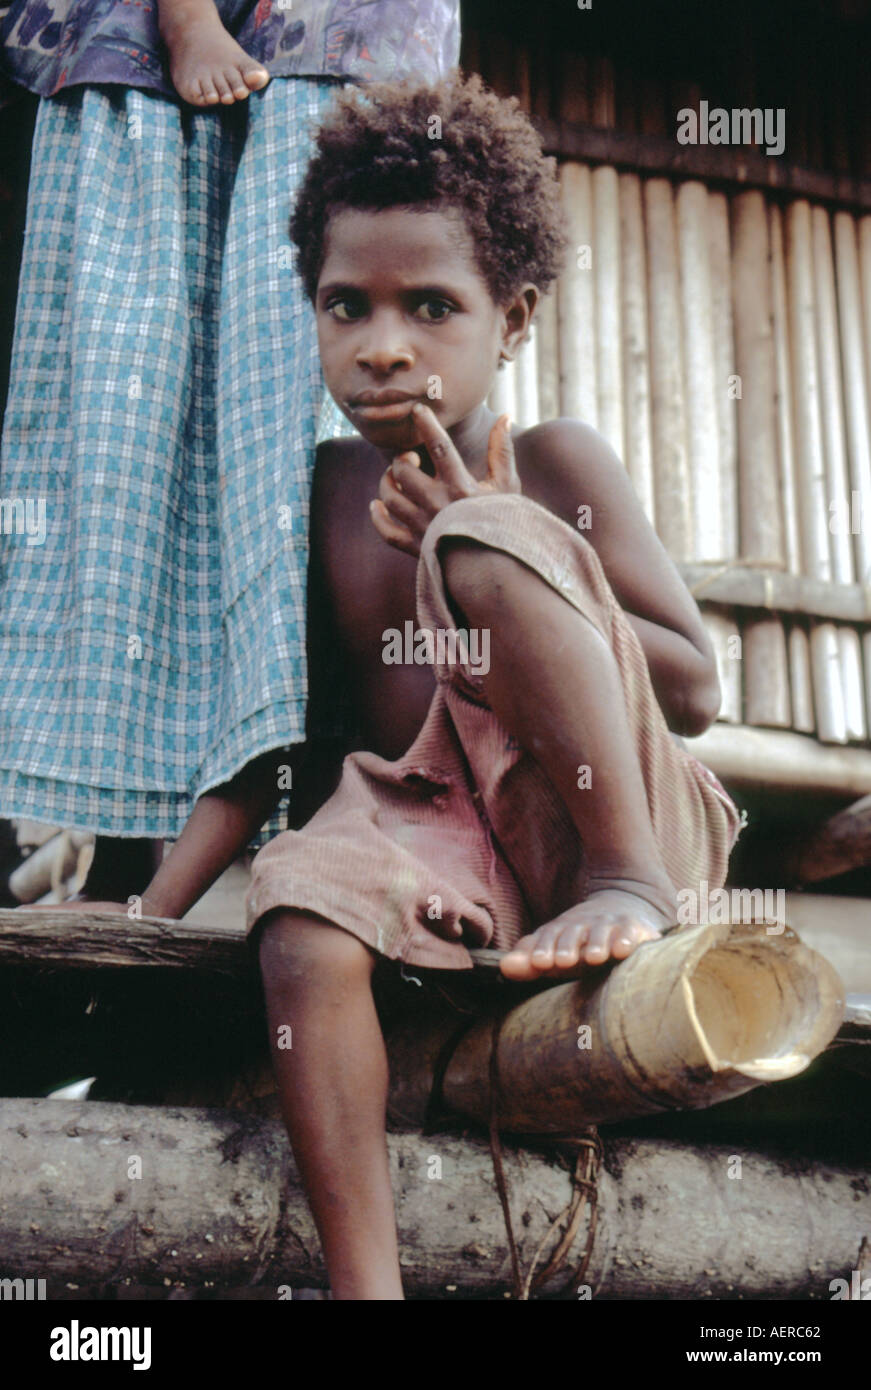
point(163, 411)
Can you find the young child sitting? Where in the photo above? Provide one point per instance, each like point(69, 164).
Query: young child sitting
point(206, 63)
point(517, 641)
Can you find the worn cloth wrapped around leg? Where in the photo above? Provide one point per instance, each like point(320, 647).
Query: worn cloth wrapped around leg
point(464, 842)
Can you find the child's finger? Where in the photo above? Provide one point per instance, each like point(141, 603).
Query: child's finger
point(448, 464)
point(398, 536)
point(501, 463)
point(401, 507)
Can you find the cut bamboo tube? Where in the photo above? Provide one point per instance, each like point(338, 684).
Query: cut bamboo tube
point(705, 1014)
point(526, 382)
point(762, 540)
point(636, 360)
point(673, 479)
point(720, 255)
point(855, 377)
point(547, 348)
point(800, 680)
point(576, 302)
point(851, 682)
point(766, 673)
point(708, 538)
point(606, 275)
point(728, 648)
point(831, 400)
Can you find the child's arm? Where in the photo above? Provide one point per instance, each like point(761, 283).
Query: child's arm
point(578, 468)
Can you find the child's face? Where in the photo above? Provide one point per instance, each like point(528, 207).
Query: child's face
point(404, 315)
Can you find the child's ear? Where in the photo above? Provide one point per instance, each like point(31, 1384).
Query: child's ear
point(518, 316)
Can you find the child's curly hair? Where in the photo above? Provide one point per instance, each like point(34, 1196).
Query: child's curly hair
point(375, 150)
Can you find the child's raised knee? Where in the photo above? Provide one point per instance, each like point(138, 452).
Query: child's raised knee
point(295, 948)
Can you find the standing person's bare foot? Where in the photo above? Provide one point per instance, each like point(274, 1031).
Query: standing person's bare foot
point(608, 925)
point(206, 63)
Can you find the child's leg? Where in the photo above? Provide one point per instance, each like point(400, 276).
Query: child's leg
point(333, 1086)
point(206, 63)
point(566, 707)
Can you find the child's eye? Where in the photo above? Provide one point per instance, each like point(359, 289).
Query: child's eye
point(345, 309)
point(434, 310)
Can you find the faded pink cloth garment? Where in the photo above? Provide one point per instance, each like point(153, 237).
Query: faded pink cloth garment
point(466, 830)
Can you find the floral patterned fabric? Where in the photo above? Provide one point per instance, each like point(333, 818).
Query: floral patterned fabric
point(48, 45)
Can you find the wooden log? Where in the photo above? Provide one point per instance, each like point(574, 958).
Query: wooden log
point(547, 347)
point(83, 940)
point(705, 1014)
point(674, 512)
point(855, 377)
point(783, 761)
point(576, 300)
point(219, 1200)
point(606, 274)
point(636, 360)
point(708, 536)
point(841, 843)
point(801, 688)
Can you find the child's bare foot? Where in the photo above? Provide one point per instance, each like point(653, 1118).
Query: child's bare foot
point(607, 925)
point(206, 63)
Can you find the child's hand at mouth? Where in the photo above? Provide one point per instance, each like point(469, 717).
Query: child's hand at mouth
point(409, 499)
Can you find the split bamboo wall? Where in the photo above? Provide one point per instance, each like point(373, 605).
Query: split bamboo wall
point(719, 337)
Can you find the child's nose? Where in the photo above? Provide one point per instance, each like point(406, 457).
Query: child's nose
point(385, 349)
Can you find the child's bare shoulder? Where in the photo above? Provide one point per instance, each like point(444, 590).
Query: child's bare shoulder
point(564, 464)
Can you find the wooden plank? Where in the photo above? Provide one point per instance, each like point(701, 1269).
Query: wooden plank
point(781, 760)
point(723, 166)
point(751, 587)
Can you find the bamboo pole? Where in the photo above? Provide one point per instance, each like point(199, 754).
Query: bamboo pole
point(831, 399)
point(865, 280)
point(606, 274)
point(220, 1202)
point(728, 647)
point(762, 538)
point(851, 682)
point(636, 360)
point(788, 480)
point(526, 382)
point(703, 1015)
point(576, 301)
point(855, 377)
point(708, 539)
point(574, 98)
point(604, 93)
point(673, 478)
point(547, 348)
point(813, 502)
point(766, 673)
point(800, 681)
point(725, 367)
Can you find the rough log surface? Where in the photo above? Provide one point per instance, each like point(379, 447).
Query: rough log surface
point(219, 1199)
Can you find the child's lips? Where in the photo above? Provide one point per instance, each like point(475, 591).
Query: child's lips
point(384, 405)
